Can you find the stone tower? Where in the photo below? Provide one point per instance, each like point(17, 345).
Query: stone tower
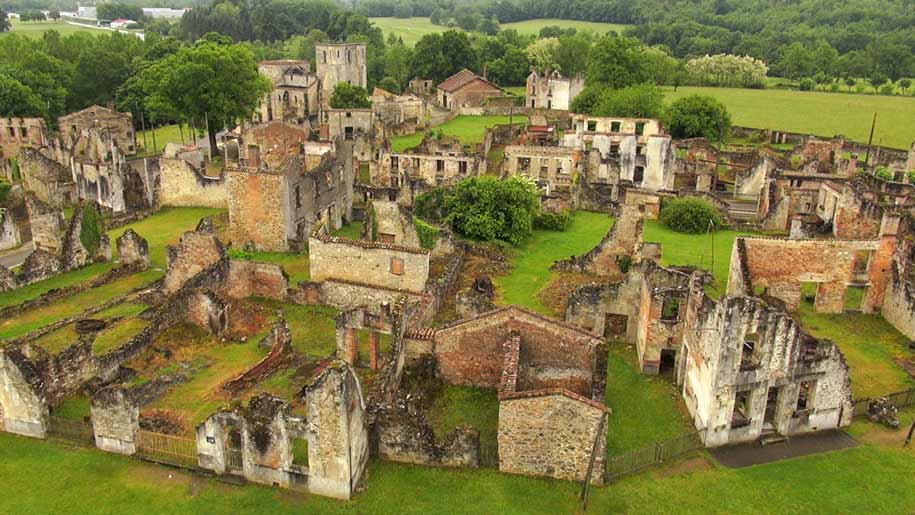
point(339, 62)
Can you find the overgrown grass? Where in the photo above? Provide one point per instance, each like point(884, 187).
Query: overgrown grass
point(351, 230)
point(26, 293)
point(40, 317)
point(118, 334)
point(470, 130)
point(532, 27)
point(163, 136)
point(646, 409)
point(532, 261)
point(295, 264)
point(823, 114)
point(467, 406)
point(313, 328)
point(74, 407)
point(870, 345)
point(680, 249)
point(164, 228)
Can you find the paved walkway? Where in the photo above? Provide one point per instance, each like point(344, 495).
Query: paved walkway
point(15, 257)
point(745, 455)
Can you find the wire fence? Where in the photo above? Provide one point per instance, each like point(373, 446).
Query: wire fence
point(900, 399)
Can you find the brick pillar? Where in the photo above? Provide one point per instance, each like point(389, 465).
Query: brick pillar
point(352, 351)
point(373, 350)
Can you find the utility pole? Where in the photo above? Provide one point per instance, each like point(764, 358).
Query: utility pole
point(908, 438)
point(206, 120)
point(155, 147)
point(142, 126)
point(867, 157)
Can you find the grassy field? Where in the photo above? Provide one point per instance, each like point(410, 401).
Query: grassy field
point(35, 29)
point(163, 136)
point(532, 27)
point(824, 114)
point(412, 29)
point(470, 129)
point(695, 250)
point(873, 478)
point(531, 263)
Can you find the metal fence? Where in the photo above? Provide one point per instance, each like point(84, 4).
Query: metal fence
point(163, 448)
point(659, 452)
point(77, 431)
point(901, 399)
point(489, 456)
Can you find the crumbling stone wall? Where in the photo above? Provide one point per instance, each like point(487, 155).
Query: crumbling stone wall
point(18, 132)
point(196, 252)
point(336, 431)
point(254, 279)
point(780, 266)
point(662, 303)
point(340, 62)
point(115, 420)
point(373, 263)
point(10, 237)
point(899, 299)
point(256, 209)
point(556, 165)
point(394, 223)
point(22, 404)
point(622, 241)
point(133, 249)
point(553, 435)
point(183, 179)
point(97, 118)
point(50, 181)
point(47, 224)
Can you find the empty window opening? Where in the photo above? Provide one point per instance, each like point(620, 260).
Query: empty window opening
point(524, 163)
point(670, 310)
point(640, 150)
point(748, 355)
point(394, 162)
point(592, 125)
point(614, 149)
point(544, 172)
point(809, 292)
point(638, 175)
point(639, 128)
point(741, 414)
point(300, 452)
point(805, 395)
point(462, 167)
point(854, 297)
point(862, 260)
point(614, 126)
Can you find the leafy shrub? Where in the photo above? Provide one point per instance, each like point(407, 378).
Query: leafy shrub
point(698, 116)
point(431, 205)
point(911, 175)
point(428, 235)
point(887, 89)
point(552, 221)
point(486, 208)
point(884, 173)
point(90, 230)
point(834, 88)
point(807, 84)
point(690, 215)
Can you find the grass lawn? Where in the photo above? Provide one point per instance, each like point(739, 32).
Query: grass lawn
point(412, 29)
point(695, 250)
point(314, 332)
point(63, 308)
point(532, 261)
point(164, 228)
point(871, 478)
point(164, 135)
point(646, 409)
point(20, 295)
point(824, 114)
point(470, 129)
point(351, 230)
point(467, 406)
point(870, 345)
point(35, 29)
point(532, 27)
point(295, 264)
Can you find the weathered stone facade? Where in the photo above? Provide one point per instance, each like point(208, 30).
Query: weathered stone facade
point(184, 179)
point(340, 62)
point(346, 123)
point(379, 264)
point(394, 224)
point(551, 90)
point(465, 89)
point(133, 249)
point(51, 182)
point(117, 127)
point(295, 96)
point(556, 166)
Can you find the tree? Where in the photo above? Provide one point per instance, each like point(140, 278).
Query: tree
point(689, 215)
point(489, 26)
point(438, 56)
point(640, 101)
point(54, 14)
point(616, 62)
point(17, 99)
point(511, 69)
point(347, 96)
point(588, 99)
point(487, 208)
point(389, 84)
point(542, 54)
point(904, 85)
point(796, 62)
point(850, 82)
point(698, 116)
point(4, 21)
point(572, 53)
point(219, 83)
point(876, 80)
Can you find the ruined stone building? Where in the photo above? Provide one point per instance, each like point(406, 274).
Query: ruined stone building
point(295, 96)
point(397, 114)
point(553, 166)
point(391, 223)
point(284, 184)
point(116, 126)
point(430, 164)
point(340, 62)
point(551, 90)
point(465, 89)
point(372, 263)
point(186, 180)
point(50, 181)
point(550, 378)
point(346, 123)
point(102, 173)
point(16, 133)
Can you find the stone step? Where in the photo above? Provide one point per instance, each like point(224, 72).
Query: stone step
point(772, 438)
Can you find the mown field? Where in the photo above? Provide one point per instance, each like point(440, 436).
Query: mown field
point(412, 29)
point(823, 114)
point(34, 29)
point(470, 129)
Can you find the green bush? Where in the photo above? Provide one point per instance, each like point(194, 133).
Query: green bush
point(4, 191)
point(486, 208)
point(911, 175)
point(689, 215)
point(428, 235)
point(884, 173)
point(431, 205)
point(552, 221)
point(91, 228)
point(807, 84)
